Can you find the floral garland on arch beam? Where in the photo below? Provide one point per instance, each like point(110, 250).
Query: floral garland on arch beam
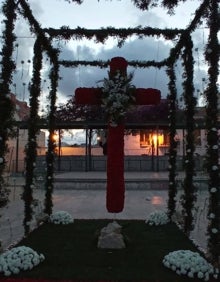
point(118, 96)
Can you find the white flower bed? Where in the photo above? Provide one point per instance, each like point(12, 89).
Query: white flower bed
point(61, 217)
point(17, 259)
point(191, 264)
point(157, 218)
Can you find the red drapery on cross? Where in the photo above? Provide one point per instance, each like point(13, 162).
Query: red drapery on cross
point(115, 139)
point(115, 169)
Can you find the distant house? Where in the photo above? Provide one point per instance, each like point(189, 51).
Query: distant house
point(148, 141)
point(153, 140)
point(16, 154)
point(156, 140)
point(146, 146)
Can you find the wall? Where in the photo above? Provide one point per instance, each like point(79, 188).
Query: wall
point(131, 149)
point(16, 155)
point(98, 163)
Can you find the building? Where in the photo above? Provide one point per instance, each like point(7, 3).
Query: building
point(149, 145)
point(145, 149)
point(16, 154)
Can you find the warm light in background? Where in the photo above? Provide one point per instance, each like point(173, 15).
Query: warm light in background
point(157, 200)
point(157, 139)
point(55, 137)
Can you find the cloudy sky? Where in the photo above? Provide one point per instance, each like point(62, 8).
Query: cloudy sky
point(104, 13)
point(97, 14)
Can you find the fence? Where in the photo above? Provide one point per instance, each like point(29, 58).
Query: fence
point(131, 163)
point(99, 163)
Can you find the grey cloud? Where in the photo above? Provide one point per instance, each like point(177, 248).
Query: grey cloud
point(152, 19)
point(132, 50)
point(138, 49)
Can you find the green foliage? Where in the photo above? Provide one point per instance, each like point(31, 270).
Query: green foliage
point(31, 148)
point(51, 142)
point(121, 34)
point(6, 105)
point(173, 143)
point(212, 109)
point(208, 10)
point(75, 245)
point(190, 103)
point(146, 4)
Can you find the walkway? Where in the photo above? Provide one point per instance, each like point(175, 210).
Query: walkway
point(95, 180)
point(90, 203)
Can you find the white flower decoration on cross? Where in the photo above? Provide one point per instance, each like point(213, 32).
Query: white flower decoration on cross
point(118, 96)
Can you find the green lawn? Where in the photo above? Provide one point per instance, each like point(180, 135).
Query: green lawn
point(71, 252)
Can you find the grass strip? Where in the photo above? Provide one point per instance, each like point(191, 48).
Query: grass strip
point(71, 252)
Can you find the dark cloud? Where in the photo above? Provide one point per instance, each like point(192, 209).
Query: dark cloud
point(136, 49)
point(133, 49)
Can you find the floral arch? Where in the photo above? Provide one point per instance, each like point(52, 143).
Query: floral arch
point(183, 50)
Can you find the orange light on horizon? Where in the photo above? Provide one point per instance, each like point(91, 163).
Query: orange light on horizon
point(55, 137)
point(157, 139)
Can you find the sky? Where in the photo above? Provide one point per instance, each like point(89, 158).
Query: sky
point(104, 13)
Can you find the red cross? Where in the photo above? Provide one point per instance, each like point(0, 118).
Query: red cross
point(115, 142)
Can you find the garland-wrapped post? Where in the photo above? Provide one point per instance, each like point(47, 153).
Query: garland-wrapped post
point(173, 143)
point(54, 76)
point(212, 114)
point(101, 35)
point(6, 105)
point(189, 196)
point(31, 148)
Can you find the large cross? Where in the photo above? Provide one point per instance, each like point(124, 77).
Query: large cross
point(115, 137)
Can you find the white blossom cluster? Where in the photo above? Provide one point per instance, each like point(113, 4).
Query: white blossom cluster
point(19, 258)
point(61, 217)
point(118, 97)
point(157, 218)
point(191, 264)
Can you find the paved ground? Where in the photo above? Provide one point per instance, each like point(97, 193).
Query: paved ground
point(90, 204)
point(138, 175)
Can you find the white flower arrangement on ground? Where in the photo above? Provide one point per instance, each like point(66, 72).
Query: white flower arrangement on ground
point(191, 264)
point(157, 218)
point(118, 96)
point(61, 217)
point(19, 258)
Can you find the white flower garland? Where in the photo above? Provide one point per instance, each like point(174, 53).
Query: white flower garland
point(118, 96)
point(157, 218)
point(186, 262)
point(18, 259)
point(61, 217)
